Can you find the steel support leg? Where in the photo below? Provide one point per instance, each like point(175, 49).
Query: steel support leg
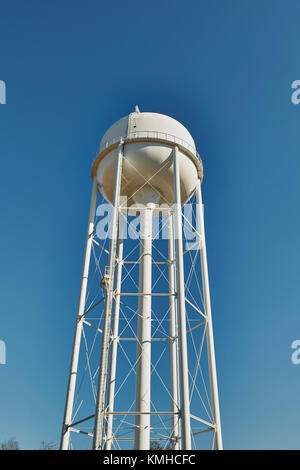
point(103, 370)
point(65, 437)
point(209, 328)
point(173, 335)
point(114, 342)
point(182, 339)
point(143, 372)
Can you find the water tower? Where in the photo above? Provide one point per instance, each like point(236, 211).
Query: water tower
point(143, 369)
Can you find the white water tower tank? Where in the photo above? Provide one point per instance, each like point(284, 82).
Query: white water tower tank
point(150, 159)
point(147, 174)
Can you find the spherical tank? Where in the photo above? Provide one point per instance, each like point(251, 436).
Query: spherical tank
point(147, 170)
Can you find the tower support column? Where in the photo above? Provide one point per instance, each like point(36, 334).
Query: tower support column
point(103, 368)
point(209, 329)
point(173, 336)
point(65, 437)
point(182, 339)
point(114, 341)
point(143, 368)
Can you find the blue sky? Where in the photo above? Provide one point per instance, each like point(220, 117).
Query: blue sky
point(224, 69)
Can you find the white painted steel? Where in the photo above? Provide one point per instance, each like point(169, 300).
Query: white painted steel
point(173, 336)
point(151, 159)
point(138, 122)
point(65, 437)
point(102, 383)
point(143, 363)
point(148, 142)
point(114, 341)
point(183, 358)
point(209, 333)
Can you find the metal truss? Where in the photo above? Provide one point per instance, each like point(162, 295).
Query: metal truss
point(143, 363)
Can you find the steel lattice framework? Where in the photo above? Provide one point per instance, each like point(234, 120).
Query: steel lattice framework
point(143, 364)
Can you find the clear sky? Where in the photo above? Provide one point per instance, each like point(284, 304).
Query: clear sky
point(223, 68)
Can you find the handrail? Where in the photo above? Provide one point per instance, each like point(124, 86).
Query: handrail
point(153, 135)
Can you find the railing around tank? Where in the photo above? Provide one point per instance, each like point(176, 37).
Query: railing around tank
point(154, 135)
